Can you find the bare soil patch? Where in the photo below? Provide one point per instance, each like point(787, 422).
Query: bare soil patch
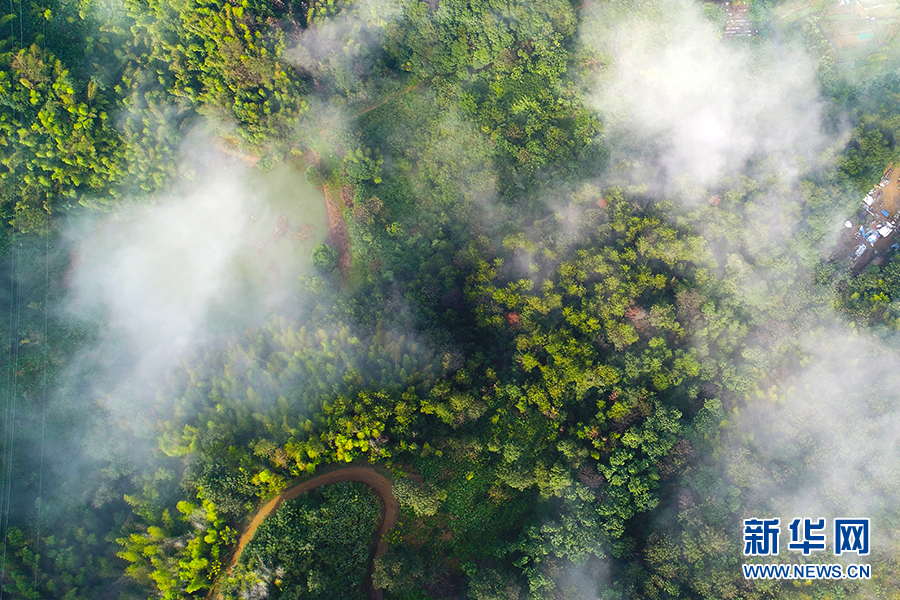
point(337, 229)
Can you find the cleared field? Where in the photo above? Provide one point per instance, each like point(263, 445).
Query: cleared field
point(860, 32)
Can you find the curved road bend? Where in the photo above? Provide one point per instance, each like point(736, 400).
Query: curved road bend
point(366, 475)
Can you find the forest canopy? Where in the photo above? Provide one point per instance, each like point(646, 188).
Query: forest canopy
point(575, 276)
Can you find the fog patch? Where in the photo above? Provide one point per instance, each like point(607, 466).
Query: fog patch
point(588, 581)
point(212, 256)
point(826, 438)
point(337, 50)
point(685, 109)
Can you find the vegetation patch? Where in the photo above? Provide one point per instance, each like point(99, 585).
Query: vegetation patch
point(317, 546)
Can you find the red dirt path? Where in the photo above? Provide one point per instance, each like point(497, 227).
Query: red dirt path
point(337, 230)
point(366, 475)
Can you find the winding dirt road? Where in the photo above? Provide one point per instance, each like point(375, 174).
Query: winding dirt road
point(365, 474)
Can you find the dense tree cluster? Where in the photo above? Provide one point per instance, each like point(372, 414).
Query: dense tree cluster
point(315, 547)
point(550, 368)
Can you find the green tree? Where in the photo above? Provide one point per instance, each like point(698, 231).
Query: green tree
point(324, 257)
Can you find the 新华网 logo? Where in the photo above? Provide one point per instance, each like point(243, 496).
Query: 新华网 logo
point(848, 536)
point(851, 536)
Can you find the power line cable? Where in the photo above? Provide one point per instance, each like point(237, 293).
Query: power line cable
point(12, 374)
point(3, 479)
point(15, 317)
point(46, 342)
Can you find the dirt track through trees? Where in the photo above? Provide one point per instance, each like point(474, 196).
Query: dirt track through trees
point(366, 475)
point(337, 229)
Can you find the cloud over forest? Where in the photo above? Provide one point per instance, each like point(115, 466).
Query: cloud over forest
point(701, 109)
point(687, 114)
point(206, 259)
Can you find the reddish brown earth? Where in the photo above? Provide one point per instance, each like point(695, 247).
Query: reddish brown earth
point(347, 195)
point(366, 475)
point(337, 230)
